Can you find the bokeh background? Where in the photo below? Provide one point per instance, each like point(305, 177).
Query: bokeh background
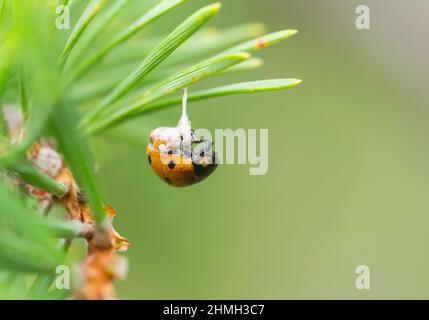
point(348, 178)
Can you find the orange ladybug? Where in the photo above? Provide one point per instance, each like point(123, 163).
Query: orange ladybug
point(177, 156)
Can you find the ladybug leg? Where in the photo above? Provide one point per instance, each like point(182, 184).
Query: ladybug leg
point(195, 139)
point(182, 147)
point(204, 152)
point(207, 148)
point(208, 144)
point(208, 151)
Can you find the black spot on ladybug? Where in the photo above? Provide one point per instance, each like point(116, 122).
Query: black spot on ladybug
point(171, 165)
point(168, 180)
point(149, 159)
point(203, 171)
point(170, 151)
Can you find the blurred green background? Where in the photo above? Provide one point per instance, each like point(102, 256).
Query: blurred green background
point(348, 178)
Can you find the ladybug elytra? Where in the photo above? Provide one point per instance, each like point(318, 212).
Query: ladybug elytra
point(177, 156)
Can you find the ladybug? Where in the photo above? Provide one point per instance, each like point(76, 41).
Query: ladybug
point(179, 157)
